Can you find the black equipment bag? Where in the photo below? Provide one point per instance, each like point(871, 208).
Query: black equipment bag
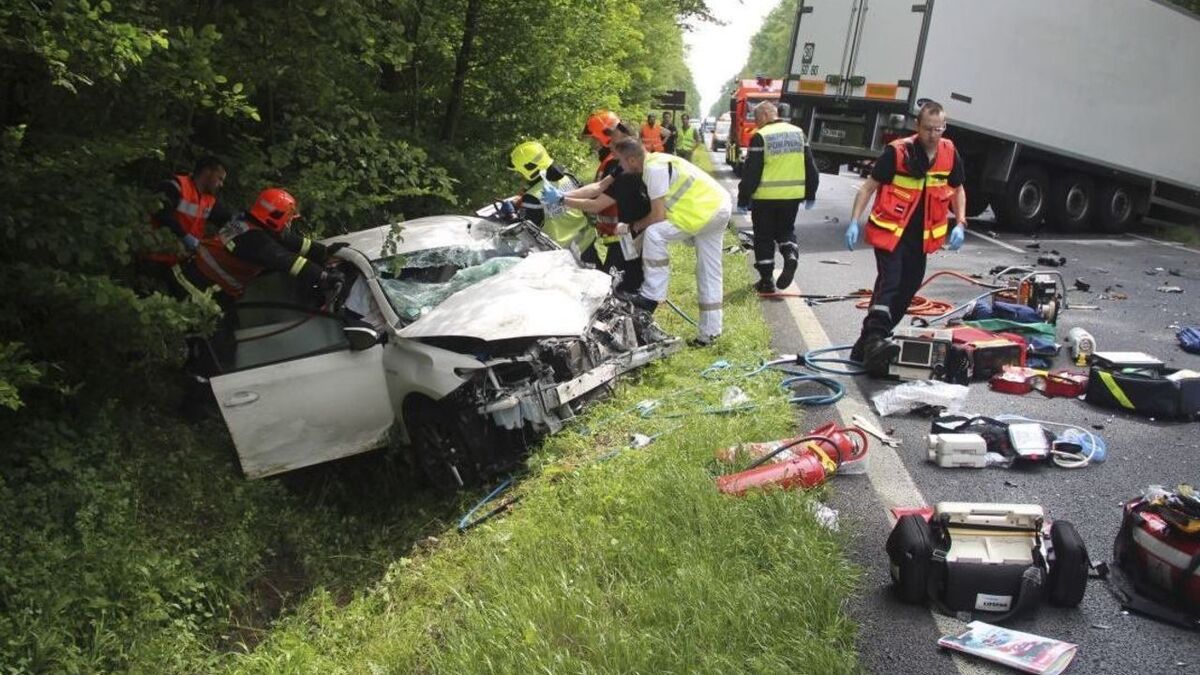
point(1147, 393)
point(920, 572)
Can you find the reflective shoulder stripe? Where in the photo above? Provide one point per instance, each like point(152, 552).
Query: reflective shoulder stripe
point(678, 191)
point(756, 149)
point(298, 266)
point(188, 208)
point(305, 245)
point(533, 207)
point(1115, 389)
point(227, 279)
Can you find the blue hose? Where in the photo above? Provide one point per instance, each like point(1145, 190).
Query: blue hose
point(837, 391)
point(814, 358)
point(466, 523)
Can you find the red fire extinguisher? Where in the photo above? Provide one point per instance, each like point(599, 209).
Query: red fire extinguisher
point(819, 456)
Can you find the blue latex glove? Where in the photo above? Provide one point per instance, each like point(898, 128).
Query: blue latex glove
point(808, 205)
point(957, 236)
point(551, 196)
point(507, 209)
point(852, 233)
point(190, 242)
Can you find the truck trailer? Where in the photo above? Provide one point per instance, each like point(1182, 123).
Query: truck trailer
point(1076, 114)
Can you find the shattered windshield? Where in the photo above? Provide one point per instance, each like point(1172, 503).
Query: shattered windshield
point(427, 277)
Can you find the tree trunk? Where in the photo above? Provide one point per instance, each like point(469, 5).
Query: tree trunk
point(461, 64)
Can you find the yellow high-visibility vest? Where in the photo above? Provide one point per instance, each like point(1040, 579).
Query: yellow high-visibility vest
point(693, 197)
point(783, 162)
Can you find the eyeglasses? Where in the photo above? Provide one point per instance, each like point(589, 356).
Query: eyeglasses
point(934, 130)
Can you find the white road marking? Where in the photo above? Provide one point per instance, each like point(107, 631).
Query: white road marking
point(1169, 244)
point(996, 241)
point(890, 480)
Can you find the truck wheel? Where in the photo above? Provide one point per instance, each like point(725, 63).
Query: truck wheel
point(1115, 207)
point(825, 163)
point(1026, 198)
point(1072, 201)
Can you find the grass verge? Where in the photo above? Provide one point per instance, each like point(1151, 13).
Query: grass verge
point(628, 564)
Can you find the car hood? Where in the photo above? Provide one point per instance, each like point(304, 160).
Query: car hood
point(546, 294)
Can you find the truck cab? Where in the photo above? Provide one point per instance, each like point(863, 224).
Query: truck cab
point(745, 98)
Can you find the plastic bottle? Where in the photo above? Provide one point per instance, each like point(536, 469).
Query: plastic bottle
point(1083, 345)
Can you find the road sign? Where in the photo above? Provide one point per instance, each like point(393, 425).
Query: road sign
point(672, 99)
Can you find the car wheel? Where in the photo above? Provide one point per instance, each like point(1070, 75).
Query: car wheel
point(825, 163)
point(1115, 207)
point(1072, 201)
point(1026, 198)
point(449, 454)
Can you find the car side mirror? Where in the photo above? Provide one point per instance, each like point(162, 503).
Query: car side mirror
point(362, 335)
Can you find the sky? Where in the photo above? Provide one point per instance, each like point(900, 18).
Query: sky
point(717, 53)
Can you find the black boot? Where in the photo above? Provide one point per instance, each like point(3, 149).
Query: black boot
point(789, 267)
point(878, 354)
point(765, 285)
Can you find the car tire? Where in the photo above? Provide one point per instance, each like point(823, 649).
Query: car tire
point(1072, 201)
point(1116, 207)
point(447, 444)
point(1026, 198)
point(825, 163)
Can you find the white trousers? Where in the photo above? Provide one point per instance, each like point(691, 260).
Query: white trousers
point(709, 266)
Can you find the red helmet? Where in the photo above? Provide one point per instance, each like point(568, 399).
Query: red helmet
point(598, 124)
point(274, 208)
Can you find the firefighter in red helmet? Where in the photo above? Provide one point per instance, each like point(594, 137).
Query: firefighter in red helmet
point(614, 197)
point(256, 241)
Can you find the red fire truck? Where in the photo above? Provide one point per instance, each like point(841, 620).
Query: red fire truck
point(748, 94)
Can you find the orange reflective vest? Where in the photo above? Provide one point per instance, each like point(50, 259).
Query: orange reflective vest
point(652, 138)
point(214, 258)
point(193, 208)
point(895, 202)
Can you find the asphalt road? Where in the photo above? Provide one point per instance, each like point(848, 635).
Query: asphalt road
point(897, 638)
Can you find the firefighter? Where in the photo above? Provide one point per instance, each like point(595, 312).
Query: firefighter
point(567, 227)
point(777, 175)
point(652, 134)
point(614, 197)
point(190, 202)
point(255, 241)
point(686, 204)
point(917, 183)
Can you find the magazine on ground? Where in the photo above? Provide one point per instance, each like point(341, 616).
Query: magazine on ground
point(1023, 651)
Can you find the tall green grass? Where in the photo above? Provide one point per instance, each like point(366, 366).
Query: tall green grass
point(632, 564)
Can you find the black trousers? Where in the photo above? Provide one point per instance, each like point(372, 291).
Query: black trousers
point(898, 275)
point(774, 226)
point(631, 270)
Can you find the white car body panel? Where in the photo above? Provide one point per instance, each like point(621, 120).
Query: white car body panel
point(546, 294)
point(311, 410)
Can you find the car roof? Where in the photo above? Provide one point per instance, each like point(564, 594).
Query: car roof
point(418, 234)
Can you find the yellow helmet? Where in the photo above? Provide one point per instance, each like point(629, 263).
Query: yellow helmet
point(530, 158)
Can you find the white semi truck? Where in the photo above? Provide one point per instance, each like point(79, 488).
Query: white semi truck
point(1080, 114)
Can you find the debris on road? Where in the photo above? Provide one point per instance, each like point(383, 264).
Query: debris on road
point(1081, 285)
point(1035, 245)
point(1169, 289)
point(1052, 261)
point(836, 262)
point(904, 397)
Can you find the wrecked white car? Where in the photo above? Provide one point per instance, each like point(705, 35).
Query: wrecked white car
point(486, 336)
